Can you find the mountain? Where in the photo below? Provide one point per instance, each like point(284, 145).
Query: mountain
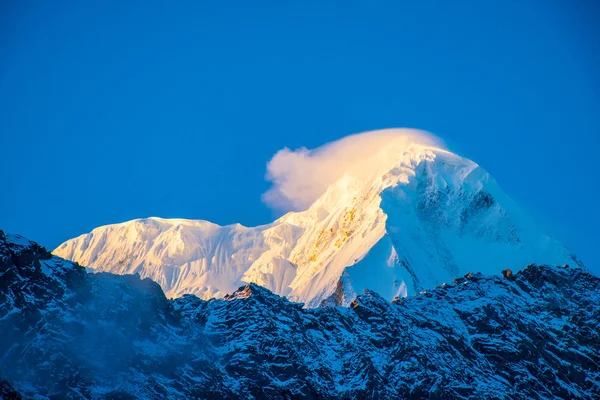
point(418, 216)
point(71, 334)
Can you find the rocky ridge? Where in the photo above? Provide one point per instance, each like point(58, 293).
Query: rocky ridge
point(69, 334)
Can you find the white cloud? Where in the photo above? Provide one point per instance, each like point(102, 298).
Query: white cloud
point(300, 176)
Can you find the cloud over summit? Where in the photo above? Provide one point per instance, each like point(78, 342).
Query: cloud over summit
point(300, 176)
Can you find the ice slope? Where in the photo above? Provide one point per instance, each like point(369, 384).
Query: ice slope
point(418, 216)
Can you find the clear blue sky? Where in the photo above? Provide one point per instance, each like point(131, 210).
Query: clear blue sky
point(111, 111)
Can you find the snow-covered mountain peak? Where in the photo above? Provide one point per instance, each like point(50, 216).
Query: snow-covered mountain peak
point(443, 169)
point(349, 220)
point(407, 216)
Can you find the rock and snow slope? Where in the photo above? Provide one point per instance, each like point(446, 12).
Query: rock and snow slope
point(416, 216)
point(69, 334)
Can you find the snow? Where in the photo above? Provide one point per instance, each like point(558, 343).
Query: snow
point(18, 240)
point(416, 216)
point(300, 177)
point(46, 270)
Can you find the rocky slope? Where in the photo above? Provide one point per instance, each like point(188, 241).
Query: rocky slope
point(418, 218)
point(69, 334)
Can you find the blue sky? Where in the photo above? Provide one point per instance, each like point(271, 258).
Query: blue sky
point(111, 111)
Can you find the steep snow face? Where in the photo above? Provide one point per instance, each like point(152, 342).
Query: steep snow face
point(450, 218)
point(418, 216)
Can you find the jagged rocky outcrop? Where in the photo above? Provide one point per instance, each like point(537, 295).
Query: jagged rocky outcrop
point(69, 334)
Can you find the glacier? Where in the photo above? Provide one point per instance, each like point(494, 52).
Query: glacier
point(408, 216)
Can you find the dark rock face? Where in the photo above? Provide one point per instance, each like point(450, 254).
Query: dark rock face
point(8, 392)
point(68, 334)
point(507, 273)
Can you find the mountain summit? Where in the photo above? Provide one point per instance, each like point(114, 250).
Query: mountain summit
point(406, 217)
